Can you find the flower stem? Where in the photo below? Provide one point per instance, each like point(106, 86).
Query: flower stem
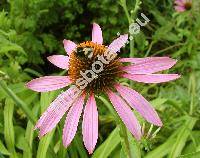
point(131, 19)
point(124, 135)
point(18, 102)
point(123, 130)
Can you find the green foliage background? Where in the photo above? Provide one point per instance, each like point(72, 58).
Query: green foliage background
point(31, 30)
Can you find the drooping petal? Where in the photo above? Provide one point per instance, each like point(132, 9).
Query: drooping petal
point(126, 114)
point(115, 46)
point(151, 78)
point(71, 122)
point(69, 46)
point(179, 2)
point(180, 8)
point(97, 34)
point(140, 60)
point(55, 111)
point(70, 93)
point(90, 124)
point(48, 83)
point(140, 104)
point(150, 66)
point(60, 61)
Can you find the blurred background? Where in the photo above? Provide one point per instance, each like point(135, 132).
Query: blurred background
point(31, 30)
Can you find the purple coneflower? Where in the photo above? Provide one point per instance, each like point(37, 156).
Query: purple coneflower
point(108, 68)
point(183, 5)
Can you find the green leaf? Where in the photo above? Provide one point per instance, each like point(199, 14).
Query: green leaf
point(8, 124)
point(134, 146)
point(140, 40)
point(11, 47)
point(191, 155)
point(105, 149)
point(44, 143)
point(163, 149)
point(3, 149)
point(130, 147)
point(182, 137)
point(162, 32)
point(158, 102)
point(29, 135)
point(9, 134)
point(18, 102)
point(127, 145)
point(78, 143)
point(159, 17)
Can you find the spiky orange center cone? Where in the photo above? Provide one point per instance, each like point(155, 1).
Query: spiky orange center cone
point(83, 59)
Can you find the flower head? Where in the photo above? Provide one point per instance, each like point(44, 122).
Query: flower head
point(94, 68)
point(183, 5)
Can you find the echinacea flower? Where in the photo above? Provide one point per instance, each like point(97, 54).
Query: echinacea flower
point(183, 5)
point(94, 70)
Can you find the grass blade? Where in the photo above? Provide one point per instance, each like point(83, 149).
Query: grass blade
point(182, 137)
point(105, 149)
point(9, 134)
point(78, 143)
point(164, 148)
point(191, 155)
point(29, 135)
point(44, 143)
point(18, 102)
point(3, 149)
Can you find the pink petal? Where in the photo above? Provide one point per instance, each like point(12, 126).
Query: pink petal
point(150, 66)
point(55, 111)
point(180, 8)
point(97, 34)
point(71, 122)
point(60, 61)
point(118, 43)
point(139, 103)
point(126, 114)
point(69, 46)
point(68, 93)
point(48, 83)
point(151, 78)
point(179, 2)
point(90, 124)
point(140, 60)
